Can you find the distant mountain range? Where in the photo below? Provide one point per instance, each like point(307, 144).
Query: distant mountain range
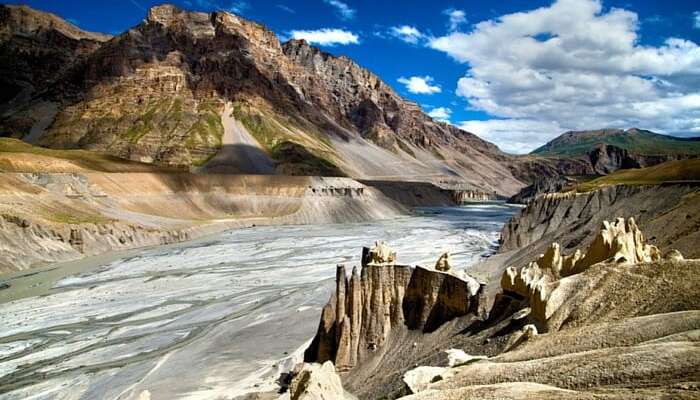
point(638, 141)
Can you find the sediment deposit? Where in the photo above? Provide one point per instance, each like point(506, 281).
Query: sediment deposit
point(48, 217)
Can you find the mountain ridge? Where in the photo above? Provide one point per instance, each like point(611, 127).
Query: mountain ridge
point(156, 93)
point(640, 141)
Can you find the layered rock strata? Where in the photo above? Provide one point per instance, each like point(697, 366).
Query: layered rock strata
point(382, 299)
point(669, 215)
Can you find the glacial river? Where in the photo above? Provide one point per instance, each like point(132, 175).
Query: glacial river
point(214, 318)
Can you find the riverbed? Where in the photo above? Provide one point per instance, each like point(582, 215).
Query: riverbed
point(209, 319)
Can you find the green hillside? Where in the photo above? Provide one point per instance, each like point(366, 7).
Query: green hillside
point(635, 140)
point(671, 171)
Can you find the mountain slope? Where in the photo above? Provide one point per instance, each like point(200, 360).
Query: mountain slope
point(157, 92)
point(637, 141)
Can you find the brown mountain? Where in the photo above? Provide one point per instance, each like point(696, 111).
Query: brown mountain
point(222, 94)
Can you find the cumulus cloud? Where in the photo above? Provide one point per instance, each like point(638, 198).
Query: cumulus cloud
point(573, 66)
point(514, 135)
point(696, 20)
point(420, 84)
point(342, 8)
point(326, 36)
point(456, 18)
point(441, 114)
point(408, 34)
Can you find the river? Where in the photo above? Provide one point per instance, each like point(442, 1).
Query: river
point(208, 319)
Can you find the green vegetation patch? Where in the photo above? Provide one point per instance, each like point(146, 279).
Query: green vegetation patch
point(291, 155)
point(76, 218)
point(671, 171)
point(637, 141)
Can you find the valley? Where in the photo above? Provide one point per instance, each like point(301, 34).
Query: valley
point(201, 206)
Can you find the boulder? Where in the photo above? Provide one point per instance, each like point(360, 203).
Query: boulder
point(459, 357)
point(674, 255)
point(381, 254)
point(316, 382)
point(443, 263)
point(419, 378)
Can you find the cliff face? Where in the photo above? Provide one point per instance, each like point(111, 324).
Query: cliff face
point(669, 214)
point(372, 309)
point(369, 308)
point(156, 93)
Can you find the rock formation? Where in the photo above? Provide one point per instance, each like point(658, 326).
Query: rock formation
point(620, 242)
point(380, 254)
point(443, 263)
point(382, 299)
point(316, 382)
point(668, 214)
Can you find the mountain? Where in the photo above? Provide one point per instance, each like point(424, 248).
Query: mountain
point(218, 93)
point(637, 141)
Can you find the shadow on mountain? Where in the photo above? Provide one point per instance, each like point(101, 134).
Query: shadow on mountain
point(240, 159)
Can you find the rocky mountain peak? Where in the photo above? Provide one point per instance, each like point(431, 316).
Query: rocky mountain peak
point(26, 21)
point(163, 14)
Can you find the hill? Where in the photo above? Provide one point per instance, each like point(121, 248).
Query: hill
point(637, 141)
point(671, 171)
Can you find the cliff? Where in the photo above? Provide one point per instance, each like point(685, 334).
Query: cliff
point(384, 306)
point(669, 214)
point(617, 317)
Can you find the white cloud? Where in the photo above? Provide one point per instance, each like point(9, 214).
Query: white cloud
point(342, 8)
point(574, 66)
point(457, 18)
point(696, 20)
point(408, 34)
point(420, 85)
point(441, 114)
point(326, 36)
point(286, 8)
point(517, 136)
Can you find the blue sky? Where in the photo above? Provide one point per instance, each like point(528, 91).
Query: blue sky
point(515, 72)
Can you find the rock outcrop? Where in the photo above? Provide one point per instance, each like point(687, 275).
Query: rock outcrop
point(443, 263)
point(316, 382)
point(542, 282)
point(669, 215)
point(374, 304)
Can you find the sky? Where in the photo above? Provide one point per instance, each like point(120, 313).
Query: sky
point(517, 73)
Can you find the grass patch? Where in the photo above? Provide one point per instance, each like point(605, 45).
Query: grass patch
point(636, 141)
point(76, 218)
point(671, 171)
point(294, 159)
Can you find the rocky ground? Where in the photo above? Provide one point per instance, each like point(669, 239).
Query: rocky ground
point(586, 309)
